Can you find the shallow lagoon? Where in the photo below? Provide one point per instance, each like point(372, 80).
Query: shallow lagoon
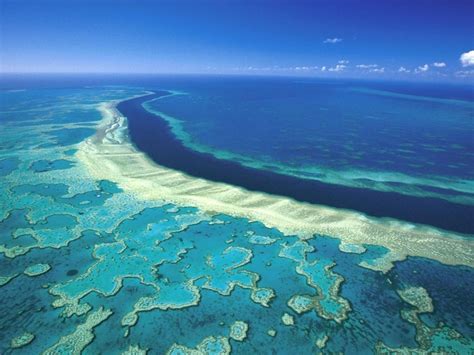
point(128, 273)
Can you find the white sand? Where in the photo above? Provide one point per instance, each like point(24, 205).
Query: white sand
point(110, 155)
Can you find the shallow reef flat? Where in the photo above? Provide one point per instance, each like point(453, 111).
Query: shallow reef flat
point(100, 252)
point(109, 153)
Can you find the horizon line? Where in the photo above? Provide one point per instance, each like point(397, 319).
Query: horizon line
point(267, 75)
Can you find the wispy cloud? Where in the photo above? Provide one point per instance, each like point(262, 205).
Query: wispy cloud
point(367, 66)
point(377, 70)
point(304, 68)
point(332, 40)
point(276, 69)
point(343, 67)
point(465, 73)
point(422, 68)
point(337, 68)
point(467, 59)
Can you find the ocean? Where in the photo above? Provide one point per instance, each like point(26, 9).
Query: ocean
point(235, 214)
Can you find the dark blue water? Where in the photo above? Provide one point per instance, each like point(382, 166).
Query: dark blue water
point(153, 136)
point(413, 139)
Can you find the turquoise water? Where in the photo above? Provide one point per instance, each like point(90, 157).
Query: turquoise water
point(126, 273)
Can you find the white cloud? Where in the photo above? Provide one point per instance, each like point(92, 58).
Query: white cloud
point(337, 68)
point(332, 40)
point(377, 70)
point(305, 68)
point(367, 66)
point(343, 61)
point(275, 69)
point(422, 68)
point(467, 59)
point(465, 73)
point(439, 64)
point(323, 68)
point(403, 70)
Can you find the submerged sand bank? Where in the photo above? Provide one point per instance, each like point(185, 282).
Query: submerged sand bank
point(110, 155)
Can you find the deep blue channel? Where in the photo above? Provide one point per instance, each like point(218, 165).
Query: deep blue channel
point(152, 135)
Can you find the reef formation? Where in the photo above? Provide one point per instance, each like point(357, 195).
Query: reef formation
point(101, 251)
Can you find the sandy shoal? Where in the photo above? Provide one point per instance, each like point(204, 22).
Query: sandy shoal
point(110, 155)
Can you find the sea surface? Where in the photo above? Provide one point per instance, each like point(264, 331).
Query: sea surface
point(87, 266)
point(374, 135)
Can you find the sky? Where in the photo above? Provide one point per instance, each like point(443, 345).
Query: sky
point(407, 39)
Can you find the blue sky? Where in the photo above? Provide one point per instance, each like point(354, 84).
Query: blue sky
point(345, 38)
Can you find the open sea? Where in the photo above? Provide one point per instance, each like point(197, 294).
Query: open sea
point(90, 266)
